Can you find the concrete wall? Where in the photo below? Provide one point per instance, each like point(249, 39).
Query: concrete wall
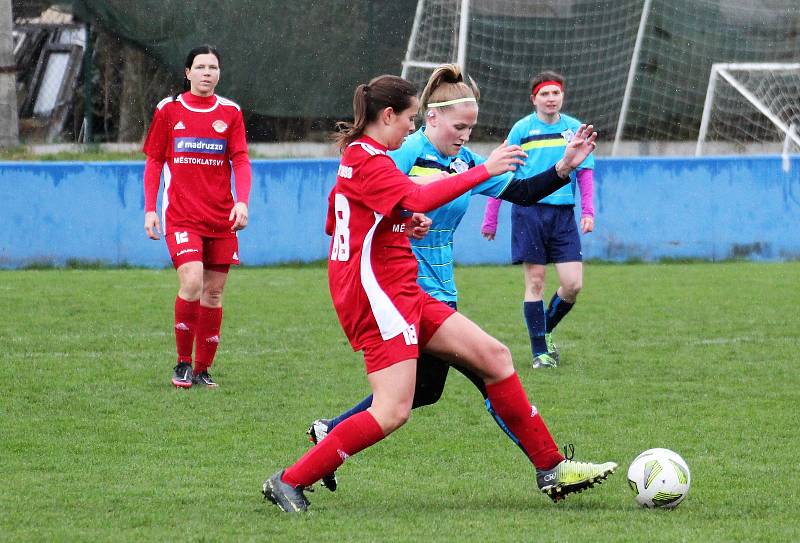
point(647, 208)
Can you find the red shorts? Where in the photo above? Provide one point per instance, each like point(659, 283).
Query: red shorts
point(187, 246)
point(405, 346)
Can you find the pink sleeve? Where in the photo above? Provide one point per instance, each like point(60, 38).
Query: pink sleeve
point(586, 186)
point(489, 225)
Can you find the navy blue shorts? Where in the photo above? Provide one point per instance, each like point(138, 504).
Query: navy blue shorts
point(544, 234)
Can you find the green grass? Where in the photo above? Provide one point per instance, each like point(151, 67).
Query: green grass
point(96, 445)
point(90, 153)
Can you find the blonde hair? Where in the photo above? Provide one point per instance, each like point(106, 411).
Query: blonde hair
point(445, 84)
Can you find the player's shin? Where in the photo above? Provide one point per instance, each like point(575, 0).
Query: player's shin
point(349, 437)
point(185, 326)
point(209, 323)
point(511, 404)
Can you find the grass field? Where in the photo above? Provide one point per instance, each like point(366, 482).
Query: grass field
point(96, 445)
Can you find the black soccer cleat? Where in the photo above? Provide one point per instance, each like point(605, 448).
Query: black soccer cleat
point(204, 379)
point(182, 375)
point(288, 498)
point(316, 433)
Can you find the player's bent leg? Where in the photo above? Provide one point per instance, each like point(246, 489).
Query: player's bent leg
point(393, 391)
point(459, 339)
point(430, 380)
point(481, 386)
point(570, 279)
point(464, 343)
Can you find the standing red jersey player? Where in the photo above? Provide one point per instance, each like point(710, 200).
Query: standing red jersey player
point(372, 275)
point(194, 138)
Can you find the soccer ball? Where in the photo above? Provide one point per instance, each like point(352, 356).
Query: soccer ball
point(659, 478)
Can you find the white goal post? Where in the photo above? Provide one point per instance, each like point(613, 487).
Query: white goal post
point(752, 103)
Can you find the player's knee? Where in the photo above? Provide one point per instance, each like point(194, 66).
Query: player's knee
point(395, 417)
point(190, 289)
point(498, 361)
point(212, 297)
point(571, 289)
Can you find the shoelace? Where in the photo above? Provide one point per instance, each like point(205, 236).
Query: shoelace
point(571, 454)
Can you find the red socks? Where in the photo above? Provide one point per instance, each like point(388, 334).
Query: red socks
point(511, 404)
point(350, 436)
point(209, 320)
point(185, 326)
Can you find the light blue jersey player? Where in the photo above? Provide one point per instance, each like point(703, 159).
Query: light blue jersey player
point(436, 150)
point(546, 232)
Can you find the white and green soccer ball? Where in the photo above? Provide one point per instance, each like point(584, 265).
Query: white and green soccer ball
point(659, 478)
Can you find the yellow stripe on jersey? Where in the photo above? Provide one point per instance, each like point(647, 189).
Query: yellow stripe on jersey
point(538, 144)
point(419, 171)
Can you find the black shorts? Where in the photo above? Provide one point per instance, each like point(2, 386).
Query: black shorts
point(544, 234)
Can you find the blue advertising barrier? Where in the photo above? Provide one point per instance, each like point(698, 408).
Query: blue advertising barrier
point(646, 208)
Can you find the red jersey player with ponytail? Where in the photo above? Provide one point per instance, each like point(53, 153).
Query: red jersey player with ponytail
point(194, 138)
point(372, 275)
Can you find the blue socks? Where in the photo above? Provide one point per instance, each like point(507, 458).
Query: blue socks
point(557, 310)
point(535, 319)
point(363, 405)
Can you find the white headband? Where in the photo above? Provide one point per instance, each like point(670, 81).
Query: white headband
point(452, 102)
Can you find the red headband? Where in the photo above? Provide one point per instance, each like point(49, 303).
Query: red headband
point(538, 87)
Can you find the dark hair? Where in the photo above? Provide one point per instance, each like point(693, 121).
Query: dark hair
point(447, 83)
point(199, 50)
point(369, 100)
point(547, 75)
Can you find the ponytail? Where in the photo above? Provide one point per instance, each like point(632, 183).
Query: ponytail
point(445, 84)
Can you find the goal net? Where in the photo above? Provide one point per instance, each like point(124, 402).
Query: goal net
point(751, 108)
point(640, 64)
point(503, 43)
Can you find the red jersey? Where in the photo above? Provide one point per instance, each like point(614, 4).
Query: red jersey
point(196, 138)
point(372, 272)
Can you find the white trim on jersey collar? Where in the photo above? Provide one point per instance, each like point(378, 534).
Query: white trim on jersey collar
point(368, 148)
point(196, 110)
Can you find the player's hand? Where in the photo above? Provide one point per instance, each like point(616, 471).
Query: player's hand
point(579, 147)
point(152, 226)
point(488, 235)
point(419, 226)
point(505, 158)
point(587, 224)
point(239, 213)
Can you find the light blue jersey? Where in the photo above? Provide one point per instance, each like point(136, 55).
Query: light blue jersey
point(545, 145)
point(418, 157)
